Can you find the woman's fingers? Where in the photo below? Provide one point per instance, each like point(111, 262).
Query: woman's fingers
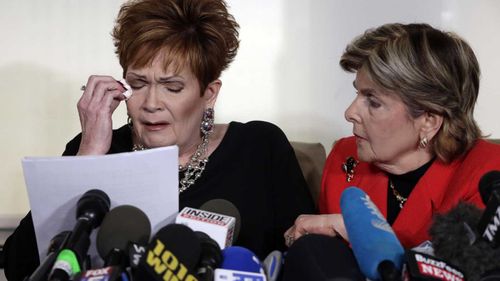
point(328, 224)
point(101, 97)
point(99, 87)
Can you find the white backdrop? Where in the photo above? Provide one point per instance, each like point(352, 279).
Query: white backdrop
point(286, 71)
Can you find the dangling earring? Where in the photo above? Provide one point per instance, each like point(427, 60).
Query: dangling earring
point(423, 142)
point(207, 123)
point(129, 122)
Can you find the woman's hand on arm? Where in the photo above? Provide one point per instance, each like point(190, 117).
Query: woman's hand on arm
point(101, 97)
point(328, 224)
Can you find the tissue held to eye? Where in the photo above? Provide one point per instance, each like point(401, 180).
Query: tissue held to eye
point(128, 92)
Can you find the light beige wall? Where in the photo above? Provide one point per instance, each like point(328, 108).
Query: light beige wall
point(286, 71)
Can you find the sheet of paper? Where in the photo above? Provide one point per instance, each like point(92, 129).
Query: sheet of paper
point(146, 179)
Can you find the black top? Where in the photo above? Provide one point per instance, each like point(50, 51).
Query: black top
point(254, 167)
point(404, 185)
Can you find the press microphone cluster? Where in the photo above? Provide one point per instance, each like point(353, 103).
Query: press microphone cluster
point(124, 229)
point(188, 250)
point(468, 237)
point(197, 247)
point(67, 253)
point(465, 240)
point(175, 252)
point(90, 211)
point(379, 253)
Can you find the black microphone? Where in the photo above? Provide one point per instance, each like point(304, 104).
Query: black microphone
point(123, 227)
point(458, 242)
point(210, 259)
point(172, 254)
point(489, 188)
point(90, 211)
point(55, 246)
point(224, 207)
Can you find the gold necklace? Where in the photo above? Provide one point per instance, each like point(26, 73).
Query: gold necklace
point(401, 199)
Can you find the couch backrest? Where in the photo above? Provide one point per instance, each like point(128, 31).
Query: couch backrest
point(311, 157)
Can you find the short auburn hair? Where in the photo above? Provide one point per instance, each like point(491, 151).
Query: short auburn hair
point(200, 34)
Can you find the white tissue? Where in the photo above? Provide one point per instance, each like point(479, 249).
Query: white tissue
point(128, 91)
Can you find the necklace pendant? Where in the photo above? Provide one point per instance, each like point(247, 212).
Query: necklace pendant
point(195, 166)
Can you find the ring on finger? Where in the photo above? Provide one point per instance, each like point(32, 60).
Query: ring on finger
point(83, 87)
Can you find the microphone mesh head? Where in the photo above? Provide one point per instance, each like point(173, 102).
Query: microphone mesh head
point(224, 207)
point(242, 259)
point(122, 225)
point(451, 241)
point(173, 247)
point(95, 202)
point(488, 183)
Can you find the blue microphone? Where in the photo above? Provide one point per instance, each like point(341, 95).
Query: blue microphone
point(378, 251)
point(239, 263)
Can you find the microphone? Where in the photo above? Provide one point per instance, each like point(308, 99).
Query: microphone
point(239, 263)
point(224, 207)
point(218, 226)
point(211, 257)
point(489, 183)
point(90, 211)
point(420, 266)
point(172, 254)
point(456, 242)
point(376, 248)
point(272, 265)
point(489, 189)
point(123, 227)
point(55, 246)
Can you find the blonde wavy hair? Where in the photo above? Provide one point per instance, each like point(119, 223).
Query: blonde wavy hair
point(431, 70)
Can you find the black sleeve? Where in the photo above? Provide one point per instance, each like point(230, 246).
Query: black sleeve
point(291, 195)
point(21, 252)
point(72, 146)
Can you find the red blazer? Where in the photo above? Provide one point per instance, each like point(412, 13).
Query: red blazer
point(439, 189)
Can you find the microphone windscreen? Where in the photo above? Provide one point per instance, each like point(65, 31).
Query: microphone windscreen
point(488, 183)
point(456, 241)
point(93, 201)
point(372, 238)
point(173, 251)
point(272, 265)
point(122, 225)
point(241, 259)
point(224, 207)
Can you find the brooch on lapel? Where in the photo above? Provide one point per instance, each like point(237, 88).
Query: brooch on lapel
point(348, 167)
